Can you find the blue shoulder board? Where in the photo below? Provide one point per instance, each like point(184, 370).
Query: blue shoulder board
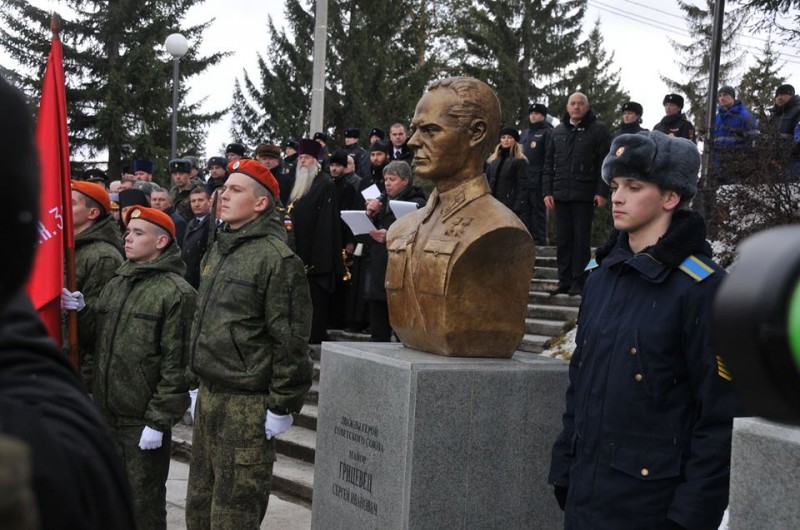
point(591, 265)
point(694, 267)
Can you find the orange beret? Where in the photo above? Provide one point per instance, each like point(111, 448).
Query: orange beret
point(257, 172)
point(95, 192)
point(157, 217)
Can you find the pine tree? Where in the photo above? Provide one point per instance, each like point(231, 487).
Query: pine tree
point(376, 69)
point(696, 56)
point(596, 77)
point(119, 95)
point(759, 82)
point(275, 105)
point(522, 49)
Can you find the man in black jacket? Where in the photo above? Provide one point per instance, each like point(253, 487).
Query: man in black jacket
point(196, 239)
point(572, 186)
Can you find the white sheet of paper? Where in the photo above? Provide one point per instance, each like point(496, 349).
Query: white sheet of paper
point(358, 221)
point(371, 193)
point(402, 208)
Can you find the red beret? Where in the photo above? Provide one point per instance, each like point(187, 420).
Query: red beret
point(157, 217)
point(95, 192)
point(257, 172)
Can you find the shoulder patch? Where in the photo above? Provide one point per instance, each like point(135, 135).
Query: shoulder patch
point(591, 265)
point(694, 267)
point(722, 370)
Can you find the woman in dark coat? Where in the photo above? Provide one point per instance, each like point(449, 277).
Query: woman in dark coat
point(508, 171)
point(397, 178)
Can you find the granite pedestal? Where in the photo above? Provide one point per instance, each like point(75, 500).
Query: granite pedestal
point(765, 475)
point(407, 439)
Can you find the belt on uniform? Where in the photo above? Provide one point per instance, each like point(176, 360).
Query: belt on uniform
point(216, 388)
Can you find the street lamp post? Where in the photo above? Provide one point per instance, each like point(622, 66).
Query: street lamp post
point(177, 46)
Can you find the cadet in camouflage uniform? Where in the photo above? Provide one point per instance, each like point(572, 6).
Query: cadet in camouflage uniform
point(249, 349)
point(140, 386)
point(98, 253)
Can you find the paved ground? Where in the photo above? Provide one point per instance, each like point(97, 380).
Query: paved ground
point(281, 514)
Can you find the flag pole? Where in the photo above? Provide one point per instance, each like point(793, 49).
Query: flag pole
point(69, 250)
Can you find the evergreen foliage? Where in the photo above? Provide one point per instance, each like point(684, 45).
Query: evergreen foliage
point(118, 75)
point(596, 77)
point(695, 56)
point(377, 65)
point(520, 48)
point(757, 87)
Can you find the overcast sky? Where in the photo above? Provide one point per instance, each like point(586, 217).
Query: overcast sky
point(636, 31)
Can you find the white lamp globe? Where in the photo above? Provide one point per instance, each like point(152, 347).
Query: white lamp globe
point(176, 45)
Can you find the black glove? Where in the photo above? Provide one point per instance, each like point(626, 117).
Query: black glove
point(561, 495)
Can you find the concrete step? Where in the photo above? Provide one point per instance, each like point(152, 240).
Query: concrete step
point(316, 370)
point(534, 343)
point(298, 442)
point(293, 477)
point(341, 335)
point(312, 398)
point(552, 312)
point(545, 273)
point(561, 300)
point(546, 261)
point(307, 417)
point(538, 284)
point(545, 252)
point(548, 328)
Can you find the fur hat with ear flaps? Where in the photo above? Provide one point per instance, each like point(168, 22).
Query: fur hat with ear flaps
point(669, 162)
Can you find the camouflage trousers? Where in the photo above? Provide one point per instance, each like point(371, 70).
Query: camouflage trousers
point(231, 470)
point(147, 473)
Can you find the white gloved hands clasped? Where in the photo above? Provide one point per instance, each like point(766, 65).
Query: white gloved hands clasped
point(151, 439)
point(277, 424)
point(193, 398)
point(72, 301)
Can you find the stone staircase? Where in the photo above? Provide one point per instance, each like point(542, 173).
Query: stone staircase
point(548, 317)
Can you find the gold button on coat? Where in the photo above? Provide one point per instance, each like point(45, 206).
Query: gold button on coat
point(638, 377)
point(645, 471)
point(634, 351)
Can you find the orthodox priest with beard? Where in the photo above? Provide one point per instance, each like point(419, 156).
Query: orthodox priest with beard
point(315, 217)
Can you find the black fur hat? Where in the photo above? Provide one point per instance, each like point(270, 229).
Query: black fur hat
point(510, 131)
point(673, 98)
point(633, 107)
point(669, 162)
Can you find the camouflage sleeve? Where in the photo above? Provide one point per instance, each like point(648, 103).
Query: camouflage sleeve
point(288, 314)
point(99, 273)
point(171, 398)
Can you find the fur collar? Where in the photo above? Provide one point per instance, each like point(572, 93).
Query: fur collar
point(685, 236)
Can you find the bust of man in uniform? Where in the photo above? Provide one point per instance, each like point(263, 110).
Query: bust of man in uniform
point(459, 268)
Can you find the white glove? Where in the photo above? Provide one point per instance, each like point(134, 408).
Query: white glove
point(72, 301)
point(277, 424)
point(151, 439)
point(193, 397)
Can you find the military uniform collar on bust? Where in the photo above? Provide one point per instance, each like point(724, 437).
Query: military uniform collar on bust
point(454, 199)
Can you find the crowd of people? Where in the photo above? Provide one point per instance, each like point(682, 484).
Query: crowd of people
point(250, 256)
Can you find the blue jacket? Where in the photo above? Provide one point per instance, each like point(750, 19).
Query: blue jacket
point(647, 429)
point(735, 126)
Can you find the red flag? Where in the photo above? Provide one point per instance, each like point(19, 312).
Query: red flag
point(55, 200)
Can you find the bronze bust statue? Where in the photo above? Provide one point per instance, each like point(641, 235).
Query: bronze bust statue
point(459, 268)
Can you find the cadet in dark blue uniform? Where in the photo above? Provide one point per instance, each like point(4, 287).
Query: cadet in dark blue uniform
point(647, 427)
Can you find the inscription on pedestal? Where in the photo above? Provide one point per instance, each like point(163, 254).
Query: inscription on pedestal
point(354, 483)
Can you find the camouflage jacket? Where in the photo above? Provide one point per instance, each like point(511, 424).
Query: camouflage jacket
point(98, 254)
point(144, 318)
point(254, 316)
